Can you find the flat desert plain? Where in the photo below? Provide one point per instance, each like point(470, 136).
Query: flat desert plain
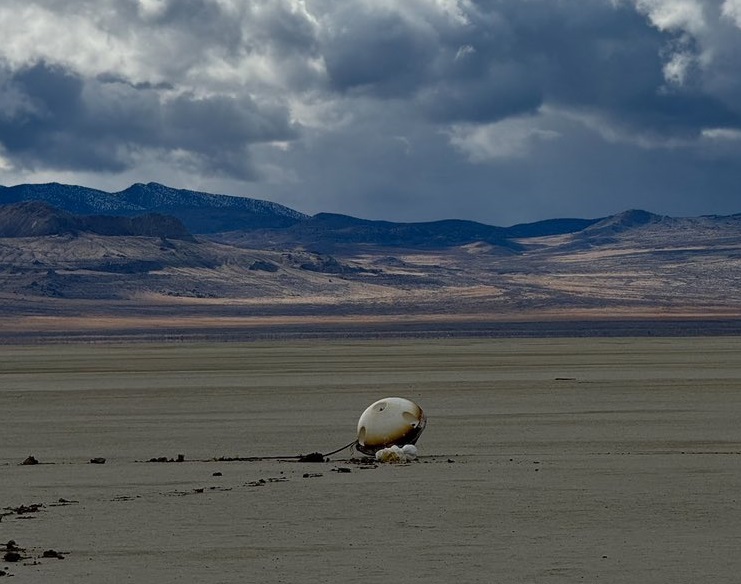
point(544, 460)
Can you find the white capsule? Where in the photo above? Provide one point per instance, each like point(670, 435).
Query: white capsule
point(389, 421)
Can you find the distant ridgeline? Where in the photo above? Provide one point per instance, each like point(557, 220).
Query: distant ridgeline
point(266, 222)
point(199, 212)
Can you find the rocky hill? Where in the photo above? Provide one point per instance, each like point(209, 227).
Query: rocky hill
point(37, 218)
point(200, 212)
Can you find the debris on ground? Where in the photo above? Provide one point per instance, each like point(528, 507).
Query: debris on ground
point(397, 454)
point(180, 458)
point(23, 509)
point(62, 502)
point(52, 554)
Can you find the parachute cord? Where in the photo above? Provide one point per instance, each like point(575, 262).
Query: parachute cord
point(351, 444)
point(313, 457)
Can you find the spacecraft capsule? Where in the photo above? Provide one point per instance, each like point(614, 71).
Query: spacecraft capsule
point(388, 422)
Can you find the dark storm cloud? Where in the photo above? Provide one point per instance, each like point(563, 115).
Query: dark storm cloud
point(71, 122)
point(113, 78)
point(451, 69)
point(510, 58)
point(376, 51)
point(44, 130)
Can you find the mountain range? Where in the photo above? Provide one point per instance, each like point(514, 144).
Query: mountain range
point(204, 213)
point(154, 250)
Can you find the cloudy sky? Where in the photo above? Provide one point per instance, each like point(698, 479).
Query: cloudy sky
point(502, 111)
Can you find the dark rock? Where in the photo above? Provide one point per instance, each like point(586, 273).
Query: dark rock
point(313, 457)
point(181, 458)
point(11, 546)
point(52, 554)
point(342, 469)
point(97, 460)
point(263, 266)
point(326, 265)
point(362, 460)
point(30, 461)
point(216, 474)
point(23, 509)
point(12, 557)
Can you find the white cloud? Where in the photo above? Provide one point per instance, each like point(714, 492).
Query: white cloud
point(510, 138)
point(320, 112)
point(463, 51)
point(612, 131)
point(65, 38)
point(5, 164)
point(151, 9)
point(702, 44)
point(686, 18)
point(732, 11)
point(674, 15)
point(677, 68)
point(226, 46)
point(726, 134)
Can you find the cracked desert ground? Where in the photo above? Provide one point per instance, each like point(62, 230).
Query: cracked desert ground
point(544, 460)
